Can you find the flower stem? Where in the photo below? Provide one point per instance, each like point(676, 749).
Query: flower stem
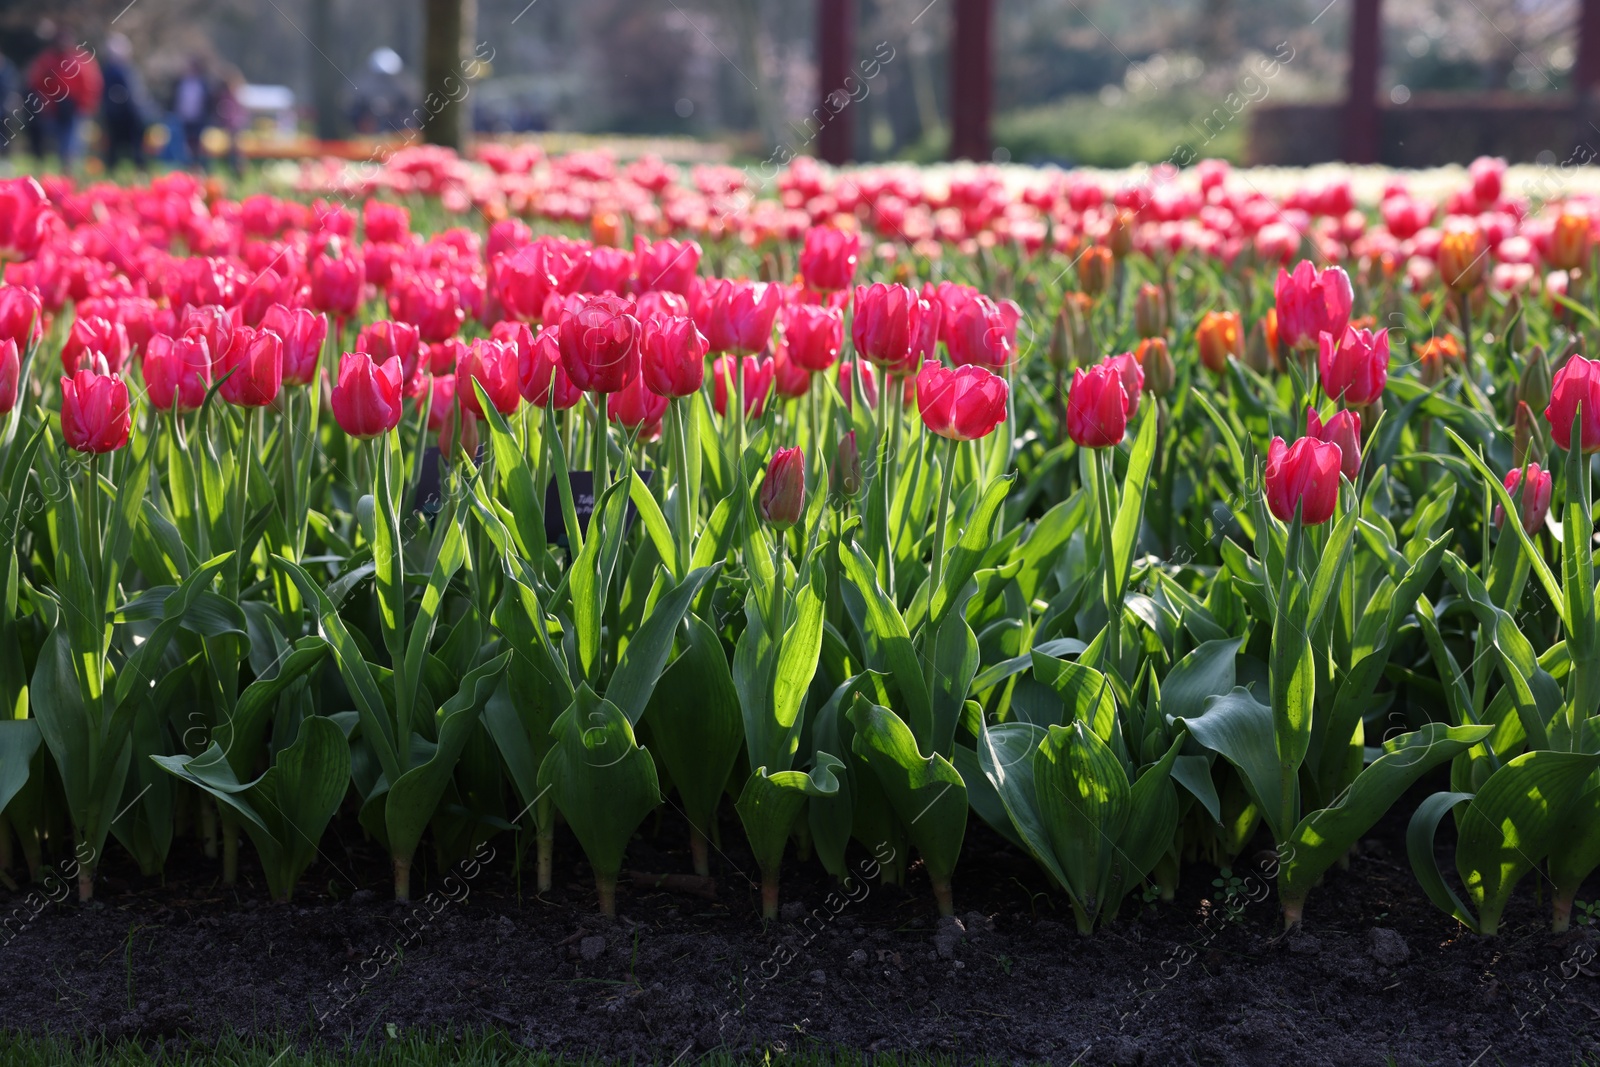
point(1109, 555)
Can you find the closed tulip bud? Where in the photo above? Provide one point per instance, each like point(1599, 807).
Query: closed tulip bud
point(177, 370)
point(10, 371)
point(791, 380)
point(1119, 238)
point(21, 315)
point(1220, 335)
point(1150, 311)
point(1533, 385)
point(1570, 239)
point(847, 477)
point(1309, 304)
point(963, 404)
point(366, 399)
point(1303, 477)
point(493, 365)
point(1095, 270)
point(542, 374)
point(783, 494)
point(1356, 369)
point(1521, 433)
point(1534, 497)
point(600, 343)
point(887, 323)
point(96, 343)
point(1576, 389)
point(253, 363)
point(1097, 414)
point(636, 408)
point(758, 375)
point(741, 316)
point(672, 354)
point(982, 335)
point(385, 338)
point(303, 333)
point(95, 414)
point(813, 335)
point(847, 385)
point(1463, 255)
point(336, 283)
point(1160, 373)
point(1344, 430)
point(1131, 374)
point(828, 258)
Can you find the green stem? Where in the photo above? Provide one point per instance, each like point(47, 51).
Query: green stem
point(600, 458)
point(1113, 596)
point(936, 569)
point(680, 472)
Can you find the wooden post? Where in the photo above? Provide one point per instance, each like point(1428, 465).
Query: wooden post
point(1586, 72)
point(971, 79)
point(836, 42)
point(1363, 120)
point(446, 111)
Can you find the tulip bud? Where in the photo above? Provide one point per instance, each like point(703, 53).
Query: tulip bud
point(963, 404)
point(1219, 336)
point(1097, 414)
point(1535, 497)
point(1463, 256)
point(1533, 386)
point(1575, 394)
point(1521, 434)
point(783, 493)
point(1119, 238)
point(1160, 374)
point(1342, 429)
point(1095, 270)
point(1150, 311)
point(1303, 477)
point(1570, 239)
point(95, 414)
point(847, 476)
point(366, 398)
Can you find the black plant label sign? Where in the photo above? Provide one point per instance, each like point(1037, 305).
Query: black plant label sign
point(582, 482)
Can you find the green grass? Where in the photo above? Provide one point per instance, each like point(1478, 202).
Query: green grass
point(491, 1049)
point(1087, 131)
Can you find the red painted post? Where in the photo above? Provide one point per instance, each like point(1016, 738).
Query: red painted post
point(1363, 120)
point(971, 79)
point(836, 40)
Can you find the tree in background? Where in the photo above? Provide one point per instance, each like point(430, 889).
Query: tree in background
point(447, 40)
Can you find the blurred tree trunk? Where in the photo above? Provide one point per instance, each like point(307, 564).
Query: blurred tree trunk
point(447, 38)
point(325, 76)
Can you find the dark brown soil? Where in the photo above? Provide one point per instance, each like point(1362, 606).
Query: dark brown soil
point(677, 974)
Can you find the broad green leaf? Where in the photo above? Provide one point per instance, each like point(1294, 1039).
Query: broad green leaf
point(1238, 727)
point(1083, 799)
point(635, 678)
point(695, 727)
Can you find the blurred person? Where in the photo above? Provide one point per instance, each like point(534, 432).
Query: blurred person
point(69, 82)
point(233, 118)
point(194, 102)
point(382, 94)
point(126, 111)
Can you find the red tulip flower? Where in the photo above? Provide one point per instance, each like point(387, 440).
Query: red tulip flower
point(1576, 387)
point(672, 356)
point(600, 343)
point(1344, 430)
point(432, 305)
point(255, 358)
point(828, 258)
point(636, 408)
point(1310, 304)
point(1303, 476)
point(741, 315)
point(812, 335)
point(887, 324)
point(1356, 369)
point(386, 338)
point(177, 369)
point(493, 365)
point(1535, 497)
point(757, 374)
point(791, 380)
point(366, 398)
point(95, 414)
point(266, 290)
point(10, 374)
point(386, 222)
point(782, 499)
point(210, 322)
point(981, 335)
point(667, 265)
point(95, 343)
point(21, 315)
point(1097, 412)
point(1131, 373)
point(847, 385)
point(303, 333)
point(962, 404)
point(526, 277)
point(336, 284)
point(543, 373)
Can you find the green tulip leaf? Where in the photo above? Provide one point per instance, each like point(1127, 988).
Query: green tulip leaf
point(694, 721)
